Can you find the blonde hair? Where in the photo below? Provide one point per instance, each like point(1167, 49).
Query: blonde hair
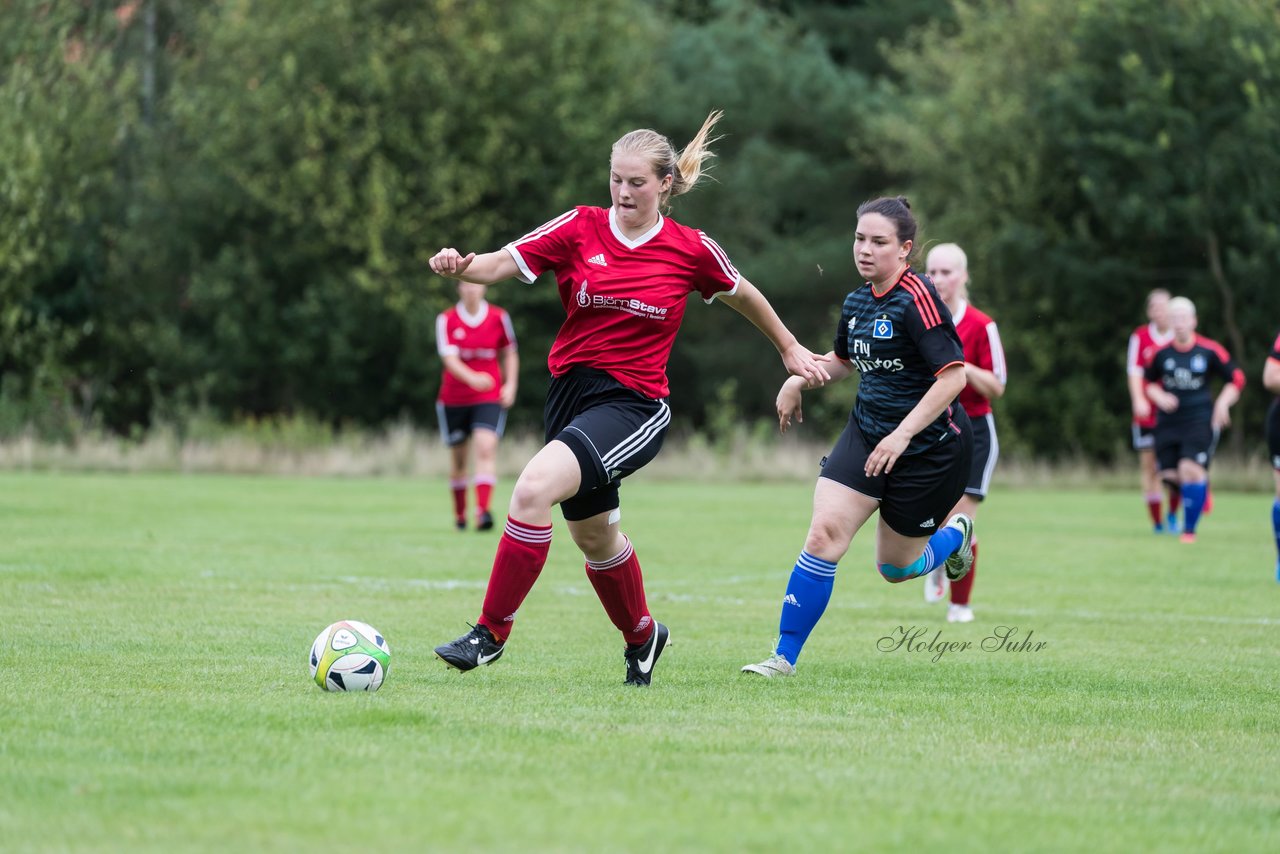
point(684, 168)
point(955, 250)
point(1184, 303)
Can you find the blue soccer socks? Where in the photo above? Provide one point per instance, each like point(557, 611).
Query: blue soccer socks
point(941, 546)
point(1192, 505)
point(1275, 527)
point(808, 592)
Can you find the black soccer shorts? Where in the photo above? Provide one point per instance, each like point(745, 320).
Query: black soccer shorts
point(1144, 438)
point(457, 423)
point(986, 450)
point(1195, 442)
point(612, 430)
point(917, 496)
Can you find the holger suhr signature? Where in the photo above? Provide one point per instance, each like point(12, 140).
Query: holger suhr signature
point(918, 639)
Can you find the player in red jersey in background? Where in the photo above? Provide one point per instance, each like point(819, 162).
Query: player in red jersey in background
point(1190, 417)
point(477, 343)
point(624, 275)
point(1144, 341)
point(1271, 380)
point(985, 375)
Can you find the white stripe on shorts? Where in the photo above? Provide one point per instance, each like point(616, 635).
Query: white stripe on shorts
point(444, 422)
point(632, 445)
point(993, 454)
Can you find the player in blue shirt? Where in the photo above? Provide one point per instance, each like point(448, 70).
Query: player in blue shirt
point(907, 448)
point(1190, 417)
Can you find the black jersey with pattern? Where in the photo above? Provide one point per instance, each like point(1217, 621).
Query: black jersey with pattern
point(1185, 373)
point(899, 341)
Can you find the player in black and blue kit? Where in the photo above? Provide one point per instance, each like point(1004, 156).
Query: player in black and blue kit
point(1189, 417)
point(907, 448)
point(1271, 381)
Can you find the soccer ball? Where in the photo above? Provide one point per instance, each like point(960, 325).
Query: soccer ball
point(350, 656)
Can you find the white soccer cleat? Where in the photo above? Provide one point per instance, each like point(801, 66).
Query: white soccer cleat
point(774, 665)
point(958, 565)
point(959, 614)
point(936, 586)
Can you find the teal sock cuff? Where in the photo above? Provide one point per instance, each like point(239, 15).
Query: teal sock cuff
point(919, 567)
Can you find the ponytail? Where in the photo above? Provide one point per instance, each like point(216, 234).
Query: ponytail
point(685, 169)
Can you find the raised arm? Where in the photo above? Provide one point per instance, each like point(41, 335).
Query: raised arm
point(788, 402)
point(799, 361)
point(483, 269)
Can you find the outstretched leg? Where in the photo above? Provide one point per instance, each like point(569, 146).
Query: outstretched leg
point(838, 513)
point(549, 478)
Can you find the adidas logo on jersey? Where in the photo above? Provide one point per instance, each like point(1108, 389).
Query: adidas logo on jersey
point(598, 259)
point(928, 523)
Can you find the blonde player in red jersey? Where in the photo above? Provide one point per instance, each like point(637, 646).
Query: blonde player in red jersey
point(985, 376)
point(1143, 344)
point(477, 344)
point(624, 275)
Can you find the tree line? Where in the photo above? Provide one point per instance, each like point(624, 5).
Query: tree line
point(226, 208)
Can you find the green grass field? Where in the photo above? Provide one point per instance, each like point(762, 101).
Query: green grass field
point(156, 631)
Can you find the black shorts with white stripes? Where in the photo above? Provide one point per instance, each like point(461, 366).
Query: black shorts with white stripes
point(457, 423)
point(1144, 438)
point(986, 450)
point(612, 430)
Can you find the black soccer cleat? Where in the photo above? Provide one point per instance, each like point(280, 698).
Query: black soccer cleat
point(641, 659)
point(476, 647)
point(484, 522)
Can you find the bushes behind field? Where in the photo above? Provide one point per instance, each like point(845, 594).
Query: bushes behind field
point(215, 212)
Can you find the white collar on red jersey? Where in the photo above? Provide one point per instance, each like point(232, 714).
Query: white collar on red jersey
point(473, 319)
point(959, 313)
point(1156, 337)
point(639, 241)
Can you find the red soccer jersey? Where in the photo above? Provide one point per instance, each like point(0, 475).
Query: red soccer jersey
point(1275, 349)
point(624, 299)
point(981, 342)
point(1143, 344)
point(477, 340)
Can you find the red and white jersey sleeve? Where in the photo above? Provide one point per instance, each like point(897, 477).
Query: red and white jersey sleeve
point(1275, 349)
point(477, 340)
point(624, 298)
point(1143, 344)
point(981, 341)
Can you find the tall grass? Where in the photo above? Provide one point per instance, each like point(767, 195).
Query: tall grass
point(304, 447)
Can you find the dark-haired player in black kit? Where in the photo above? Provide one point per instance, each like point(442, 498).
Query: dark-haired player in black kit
point(908, 446)
point(1189, 417)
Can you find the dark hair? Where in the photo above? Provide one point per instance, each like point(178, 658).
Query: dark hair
point(897, 210)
